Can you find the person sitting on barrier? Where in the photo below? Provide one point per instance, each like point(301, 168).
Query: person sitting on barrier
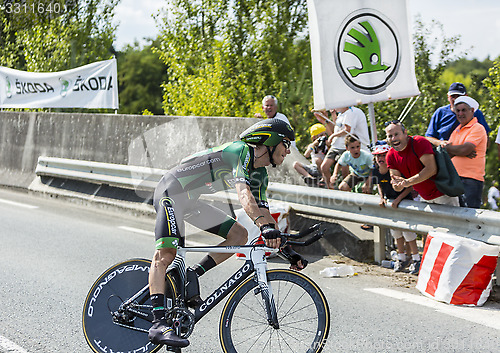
point(412, 163)
point(239, 165)
point(356, 166)
point(316, 151)
point(382, 178)
point(344, 121)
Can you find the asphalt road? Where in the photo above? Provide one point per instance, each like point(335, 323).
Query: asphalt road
point(51, 252)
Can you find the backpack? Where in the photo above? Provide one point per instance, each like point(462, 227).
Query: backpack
point(446, 179)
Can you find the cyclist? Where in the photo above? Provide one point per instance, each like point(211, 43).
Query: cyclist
point(239, 165)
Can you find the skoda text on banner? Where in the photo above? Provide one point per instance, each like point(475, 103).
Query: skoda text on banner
point(91, 86)
point(361, 52)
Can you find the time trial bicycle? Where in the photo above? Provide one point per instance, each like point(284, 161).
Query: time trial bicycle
point(275, 310)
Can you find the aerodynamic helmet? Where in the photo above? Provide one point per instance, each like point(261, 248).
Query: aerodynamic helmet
point(269, 132)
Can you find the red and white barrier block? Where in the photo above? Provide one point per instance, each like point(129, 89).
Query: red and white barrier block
point(457, 270)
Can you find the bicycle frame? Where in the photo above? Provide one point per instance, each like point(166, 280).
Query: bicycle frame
point(255, 263)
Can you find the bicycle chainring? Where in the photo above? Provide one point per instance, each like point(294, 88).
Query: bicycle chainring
point(182, 320)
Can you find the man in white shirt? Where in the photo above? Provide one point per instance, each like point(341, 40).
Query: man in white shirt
point(270, 108)
point(493, 196)
point(345, 121)
point(497, 141)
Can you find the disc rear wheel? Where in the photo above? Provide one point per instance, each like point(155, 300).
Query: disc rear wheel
point(107, 325)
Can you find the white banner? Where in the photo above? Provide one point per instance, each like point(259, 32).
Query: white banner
point(361, 52)
point(90, 86)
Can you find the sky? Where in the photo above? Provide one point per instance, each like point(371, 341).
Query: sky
point(477, 22)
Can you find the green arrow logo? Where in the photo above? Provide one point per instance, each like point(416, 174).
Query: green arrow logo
point(64, 86)
point(366, 49)
point(8, 89)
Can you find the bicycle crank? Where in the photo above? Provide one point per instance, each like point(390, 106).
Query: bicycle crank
point(182, 321)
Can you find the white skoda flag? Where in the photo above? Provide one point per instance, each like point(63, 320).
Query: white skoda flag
point(90, 86)
point(361, 52)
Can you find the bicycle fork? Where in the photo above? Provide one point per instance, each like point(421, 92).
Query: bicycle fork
point(266, 292)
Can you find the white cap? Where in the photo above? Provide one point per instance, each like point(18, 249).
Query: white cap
point(471, 102)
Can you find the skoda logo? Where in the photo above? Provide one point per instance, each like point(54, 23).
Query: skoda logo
point(367, 51)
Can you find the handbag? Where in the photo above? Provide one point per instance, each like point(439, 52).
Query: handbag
point(446, 179)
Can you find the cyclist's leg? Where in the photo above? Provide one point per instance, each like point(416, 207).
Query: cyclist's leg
point(216, 221)
point(169, 228)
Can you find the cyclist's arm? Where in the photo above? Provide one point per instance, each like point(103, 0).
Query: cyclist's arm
point(247, 201)
point(260, 215)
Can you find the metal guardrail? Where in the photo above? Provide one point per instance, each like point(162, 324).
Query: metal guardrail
point(133, 177)
point(482, 225)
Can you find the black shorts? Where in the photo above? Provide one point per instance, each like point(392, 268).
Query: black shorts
point(173, 207)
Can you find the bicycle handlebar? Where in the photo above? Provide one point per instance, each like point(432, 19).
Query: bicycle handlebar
point(286, 236)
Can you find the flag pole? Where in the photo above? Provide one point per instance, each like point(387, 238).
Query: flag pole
point(373, 126)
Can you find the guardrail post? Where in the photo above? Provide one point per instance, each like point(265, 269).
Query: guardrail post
point(379, 243)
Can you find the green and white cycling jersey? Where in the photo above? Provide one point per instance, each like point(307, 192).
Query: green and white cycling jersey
point(221, 168)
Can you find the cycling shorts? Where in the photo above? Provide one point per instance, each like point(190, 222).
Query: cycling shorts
point(173, 207)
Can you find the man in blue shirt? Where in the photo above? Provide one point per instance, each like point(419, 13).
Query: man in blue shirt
point(444, 119)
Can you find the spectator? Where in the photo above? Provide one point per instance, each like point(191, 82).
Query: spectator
point(411, 162)
point(444, 121)
point(336, 129)
point(497, 141)
point(270, 108)
point(382, 177)
point(467, 147)
point(493, 196)
point(316, 151)
point(350, 120)
point(356, 164)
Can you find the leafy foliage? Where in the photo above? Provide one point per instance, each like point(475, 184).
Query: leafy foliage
point(54, 35)
point(140, 76)
point(224, 56)
point(432, 55)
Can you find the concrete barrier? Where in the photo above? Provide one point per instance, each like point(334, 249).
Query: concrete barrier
point(134, 140)
point(141, 140)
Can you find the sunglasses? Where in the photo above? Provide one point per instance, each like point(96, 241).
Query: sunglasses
point(395, 122)
point(286, 143)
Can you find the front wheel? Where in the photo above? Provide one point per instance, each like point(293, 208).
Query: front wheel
point(303, 316)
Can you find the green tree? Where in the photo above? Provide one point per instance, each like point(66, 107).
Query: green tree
point(224, 56)
point(492, 82)
point(54, 35)
point(433, 51)
point(140, 76)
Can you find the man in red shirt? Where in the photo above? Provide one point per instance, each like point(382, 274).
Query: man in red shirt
point(411, 162)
